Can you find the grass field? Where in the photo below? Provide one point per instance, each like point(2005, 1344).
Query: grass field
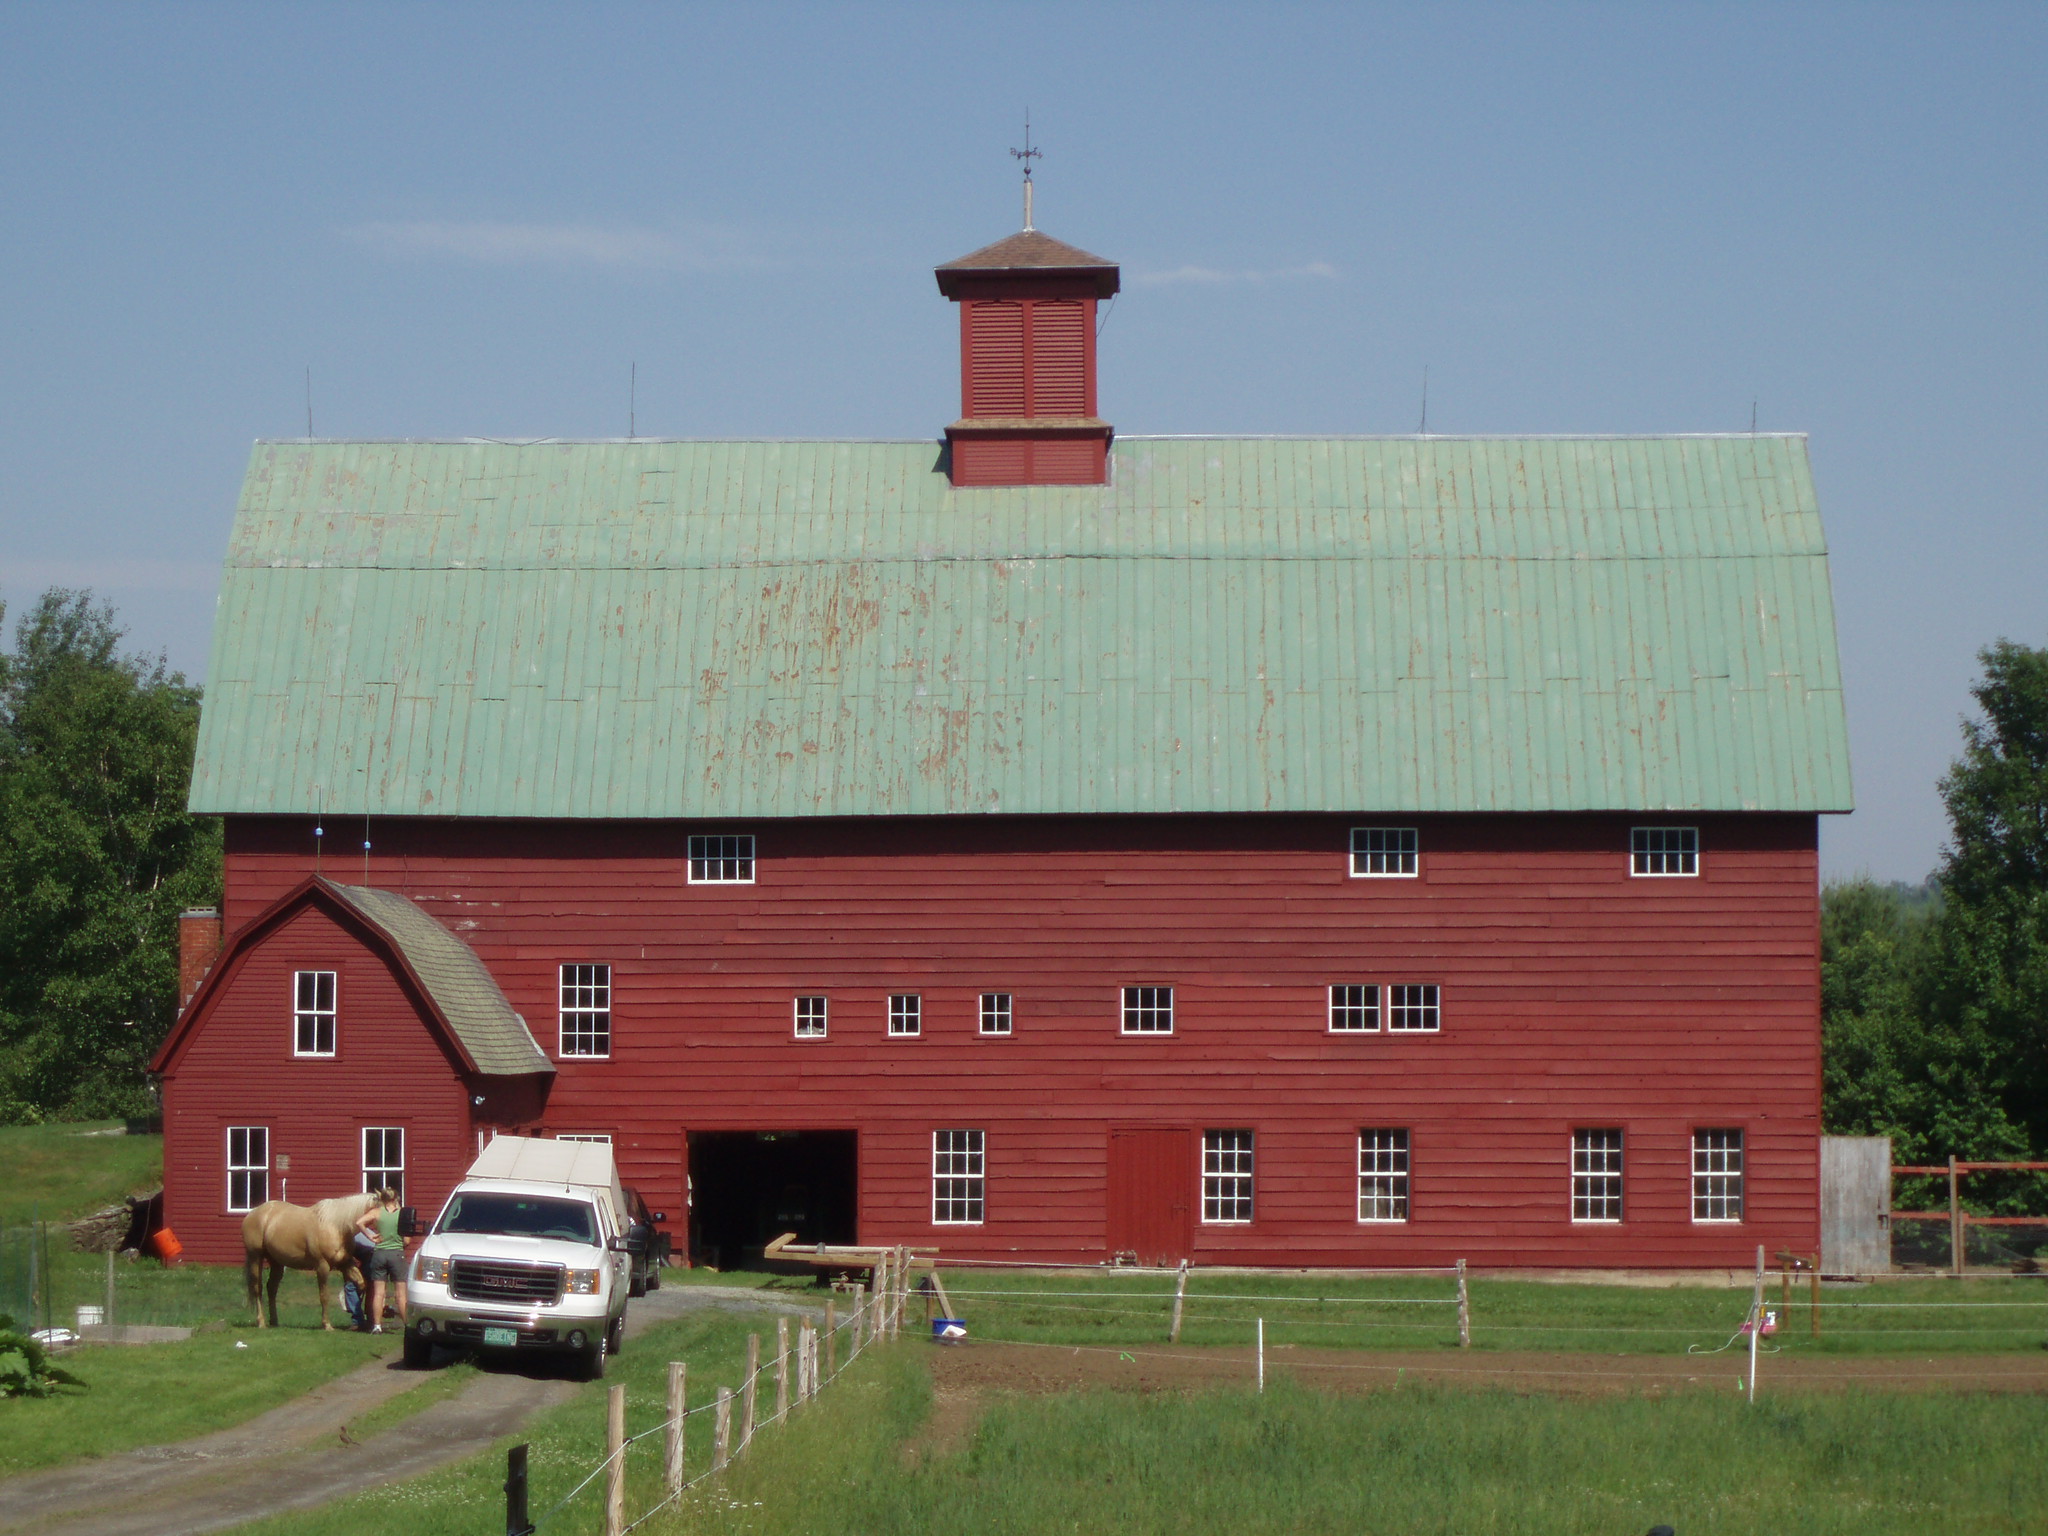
point(67, 1171)
point(149, 1393)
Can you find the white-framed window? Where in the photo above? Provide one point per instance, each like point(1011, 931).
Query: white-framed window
point(583, 1136)
point(1414, 1008)
point(1354, 1008)
point(812, 1012)
point(959, 1178)
point(384, 1158)
point(1226, 1177)
point(1717, 1175)
point(1664, 851)
point(1596, 1175)
point(1382, 1175)
point(997, 1013)
point(312, 1013)
point(248, 1166)
point(586, 1019)
point(1384, 853)
point(1148, 1011)
point(722, 859)
point(906, 1014)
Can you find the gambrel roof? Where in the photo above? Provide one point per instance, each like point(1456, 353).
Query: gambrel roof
point(771, 629)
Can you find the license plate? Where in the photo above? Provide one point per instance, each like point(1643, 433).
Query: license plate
point(501, 1336)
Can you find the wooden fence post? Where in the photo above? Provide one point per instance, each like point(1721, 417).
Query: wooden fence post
point(831, 1340)
point(1956, 1239)
point(781, 1367)
point(109, 1319)
point(902, 1289)
point(1180, 1294)
point(1813, 1291)
point(1464, 1310)
point(516, 1523)
point(615, 1473)
point(721, 1432)
point(753, 1373)
point(672, 1447)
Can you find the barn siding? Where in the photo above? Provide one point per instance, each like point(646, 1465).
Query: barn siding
point(388, 1069)
point(1573, 996)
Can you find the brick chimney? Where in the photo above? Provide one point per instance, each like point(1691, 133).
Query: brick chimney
point(1027, 363)
point(199, 942)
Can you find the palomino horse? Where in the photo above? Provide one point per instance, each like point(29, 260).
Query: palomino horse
point(289, 1236)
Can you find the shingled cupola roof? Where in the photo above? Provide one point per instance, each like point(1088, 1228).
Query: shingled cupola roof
point(1027, 363)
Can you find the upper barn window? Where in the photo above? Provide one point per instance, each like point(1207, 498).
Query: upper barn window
point(313, 1013)
point(1148, 1010)
point(722, 859)
point(586, 1010)
point(1664, 851)
point(1384, 852)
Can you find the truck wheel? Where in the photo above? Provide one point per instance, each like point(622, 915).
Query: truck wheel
point(593, 1362)
point(419, 1354)
point(637, 1286)
point(615, 1335)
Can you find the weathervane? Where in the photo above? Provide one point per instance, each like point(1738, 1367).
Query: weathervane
point(1027, 154)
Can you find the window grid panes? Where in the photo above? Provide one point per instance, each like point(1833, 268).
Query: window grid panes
point(1226, 1176)
point(586, 1028)
point(1664, 851)
point(722, 860)
point(603, 1140)
point(1596, 1176)
point(313, 1013)
point(996, 1013)
point(958, 1177)
point(811, 1018)
point(1148, 1011)
point(1354, 1009)
point(906, 1014)
point(1717, 1175)
point(384, 1158)
point(1386, 852)
point(1413, 1008)
point(1382, 1175)
point(248, 1166)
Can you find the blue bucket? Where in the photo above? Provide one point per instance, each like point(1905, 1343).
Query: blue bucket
point(947, 1329)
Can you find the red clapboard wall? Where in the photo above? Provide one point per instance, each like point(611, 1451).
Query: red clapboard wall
point(1574, 996)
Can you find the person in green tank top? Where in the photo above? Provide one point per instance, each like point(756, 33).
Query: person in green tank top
point(387, 1261)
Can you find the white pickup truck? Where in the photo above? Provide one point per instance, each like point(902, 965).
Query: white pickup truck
point(532, 1253)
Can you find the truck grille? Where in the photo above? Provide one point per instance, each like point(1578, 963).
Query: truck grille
point(494, 1280)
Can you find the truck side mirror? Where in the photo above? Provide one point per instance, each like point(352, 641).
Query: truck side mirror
point(634, 1241)
point(408, 1221)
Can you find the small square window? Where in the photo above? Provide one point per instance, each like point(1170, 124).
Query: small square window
point(1354, 1009)
point(313, 1013)
point(248, 1166)
point(1596, 1175)
point(1148, 1010)
point(1413, 1008)
point(1664, 851)
point(384, 1158)
point(586, 1017)
point(1384, 852)
point(1717, 1175)
point(722, 859)
point(810, 1018)
point(1226, 1177)
point(996, 1013)
point(906, 1014)
point(1382, 1175)
point(959, 1178)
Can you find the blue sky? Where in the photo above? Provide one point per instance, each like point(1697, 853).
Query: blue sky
point(474, 220)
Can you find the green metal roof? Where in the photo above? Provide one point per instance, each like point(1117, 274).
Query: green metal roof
point(765, 629)
point(496, 1038)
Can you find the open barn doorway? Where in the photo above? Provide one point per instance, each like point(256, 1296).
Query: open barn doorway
point(749, 1187)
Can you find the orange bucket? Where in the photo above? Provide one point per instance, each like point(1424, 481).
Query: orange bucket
point(166, 1244)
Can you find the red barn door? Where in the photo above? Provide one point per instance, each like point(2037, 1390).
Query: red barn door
point(1151, 1194)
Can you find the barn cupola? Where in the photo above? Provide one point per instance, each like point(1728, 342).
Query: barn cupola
point(1027, 362)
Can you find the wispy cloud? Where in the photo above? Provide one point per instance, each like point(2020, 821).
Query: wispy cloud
point(1313, 269)
point(694, 248)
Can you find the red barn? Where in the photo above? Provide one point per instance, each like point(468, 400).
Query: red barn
point(1043, 844)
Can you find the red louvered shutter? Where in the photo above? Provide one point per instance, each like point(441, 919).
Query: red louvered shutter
point(1059, 358)
point(995, 349)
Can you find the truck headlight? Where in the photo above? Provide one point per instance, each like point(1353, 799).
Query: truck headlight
point(583, 1282)
point(430, 1271)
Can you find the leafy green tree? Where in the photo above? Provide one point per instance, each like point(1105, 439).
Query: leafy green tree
point(97, 858)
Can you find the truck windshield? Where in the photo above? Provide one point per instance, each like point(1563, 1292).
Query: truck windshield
point(568, 1221)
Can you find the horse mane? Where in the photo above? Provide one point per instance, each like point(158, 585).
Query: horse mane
point(342, 1212)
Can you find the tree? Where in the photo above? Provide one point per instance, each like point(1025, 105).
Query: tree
point(97, 858)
